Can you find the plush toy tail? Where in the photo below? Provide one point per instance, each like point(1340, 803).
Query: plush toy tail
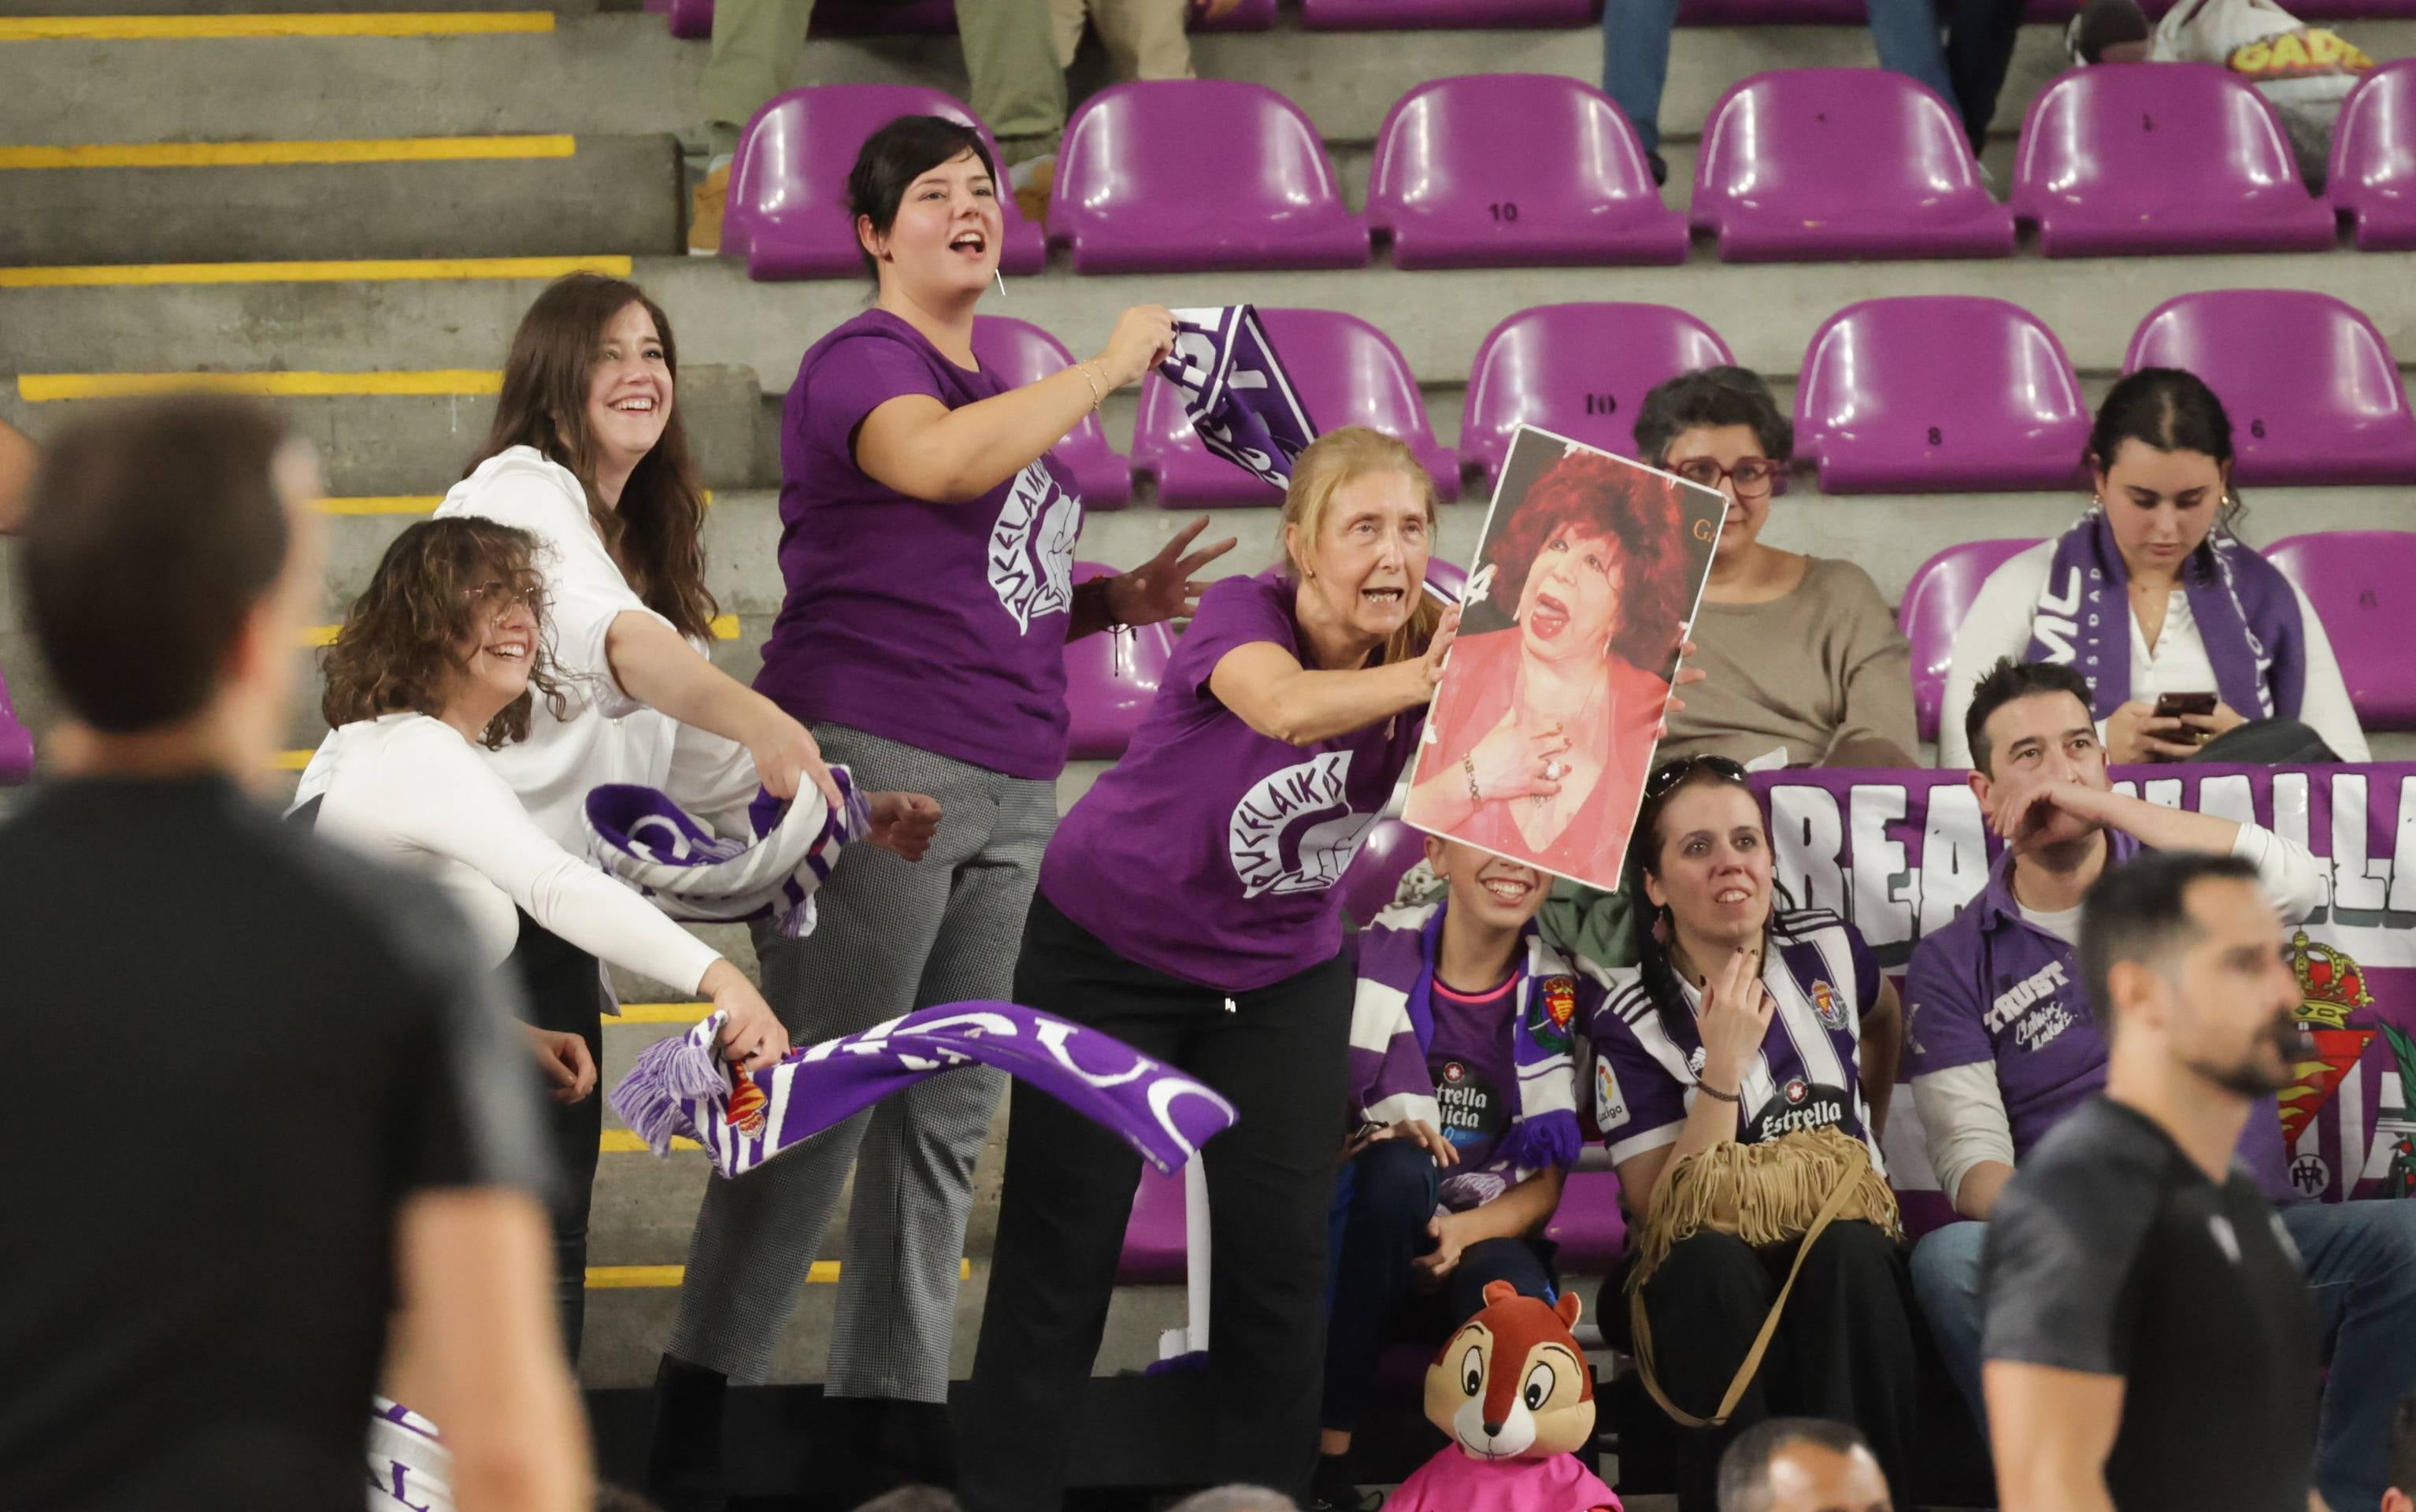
point(671, 1072)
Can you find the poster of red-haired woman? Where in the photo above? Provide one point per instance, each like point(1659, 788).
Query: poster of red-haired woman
point(1542, 729)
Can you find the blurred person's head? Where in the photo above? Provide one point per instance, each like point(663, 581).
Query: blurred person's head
point(2110, 31)
point(170, 559)
point(922, 198)
point(2160, 457)
point(1358, 525)
point(591, 381)
point(1802, 1464)
point(2184, 964)
point(2399, 1495)
point(913, 1499)
point(1591, 563)
point(1720, 428)
point(1236, 1499)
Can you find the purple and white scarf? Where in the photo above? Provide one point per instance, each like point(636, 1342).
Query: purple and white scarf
point(1242, 404)
point(680, 1087)
point(1392, 1030)
point(410, 1468)
point(691, 873)
point(2244, 609)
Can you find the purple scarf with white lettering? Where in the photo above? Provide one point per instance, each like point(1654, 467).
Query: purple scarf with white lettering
point(680, 1087)
point(2244, 610)
point(689, 872)
point(1242, 404)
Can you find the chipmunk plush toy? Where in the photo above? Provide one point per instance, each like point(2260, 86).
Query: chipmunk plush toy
point(1515, 1392)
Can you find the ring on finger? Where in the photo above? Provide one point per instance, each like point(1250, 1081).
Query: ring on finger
point(1553, 770)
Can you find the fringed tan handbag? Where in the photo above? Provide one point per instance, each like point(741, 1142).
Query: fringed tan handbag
point(1765, 1194)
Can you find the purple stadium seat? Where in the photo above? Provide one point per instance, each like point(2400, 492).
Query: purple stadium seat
point(1417, 15)
point(788, 189)
point(1589, 1227)
point(1936, 603)
point(16, 743)
point(1939, 392)
point(1516, 170)
point(2161, 157)
point(1199, 174)
point(2362, 583)
point(1390, 850)
point(2313, 391)
point(1807, 164)
point(2373, 178)
point(1154, 1253)
point(1025, 353)
point(1576, 371)
point(1110, 679)
point(1450, 577)
point(1348, 374)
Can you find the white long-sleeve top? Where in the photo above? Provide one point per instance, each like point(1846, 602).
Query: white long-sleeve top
point(410, 790)
point(1999, 626)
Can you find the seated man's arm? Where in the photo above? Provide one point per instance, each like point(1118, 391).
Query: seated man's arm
point(1954, 1065)
point(2051, 1431)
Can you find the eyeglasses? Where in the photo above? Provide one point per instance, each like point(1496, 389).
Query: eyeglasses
point(494, 595)
point(1752, 475)
point(1669, 775)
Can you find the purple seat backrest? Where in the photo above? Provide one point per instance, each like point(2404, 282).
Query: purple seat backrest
point(1025, 353)
point(1450, 577)
point(1347, 372)
point(1510, 169)
point(1588, 1226)
point(16, 743)
point(1154, 1253)
point(1390, 849)
point(788, 214)
point(2374, 158)
point(1199, 174)
point(1939, 391)
point(1112, 679)
point(1936, 603)
point(1414, 15)
point(2313, 391)
point(2362, 583)
point(1576, 371)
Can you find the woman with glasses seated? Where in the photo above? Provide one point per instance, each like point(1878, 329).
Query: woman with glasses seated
point(1803, 665)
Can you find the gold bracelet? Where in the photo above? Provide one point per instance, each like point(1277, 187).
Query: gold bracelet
point(1098, 395)
point(1475, 794)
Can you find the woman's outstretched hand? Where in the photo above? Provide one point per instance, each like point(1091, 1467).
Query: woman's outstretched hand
point(1439, 647)
point(754, 1037)
point(1161, 588)
point(1144, 336)
point(1686, 674)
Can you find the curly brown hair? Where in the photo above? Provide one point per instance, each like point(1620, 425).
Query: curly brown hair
point(1638, 512)
point(396, 651)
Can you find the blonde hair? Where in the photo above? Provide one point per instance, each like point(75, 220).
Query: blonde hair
point(1339, 457)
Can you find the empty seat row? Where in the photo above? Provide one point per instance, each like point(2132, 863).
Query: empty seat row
point(693, 19)
point(1535, 170)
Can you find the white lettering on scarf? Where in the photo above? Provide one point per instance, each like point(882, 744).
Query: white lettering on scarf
point(1032, 547)
point(1053, 1034)
point(2057, 621)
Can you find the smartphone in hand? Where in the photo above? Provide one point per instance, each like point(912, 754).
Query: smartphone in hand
point(2173, 706)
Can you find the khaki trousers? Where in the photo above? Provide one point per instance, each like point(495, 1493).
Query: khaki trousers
point(1144, 38)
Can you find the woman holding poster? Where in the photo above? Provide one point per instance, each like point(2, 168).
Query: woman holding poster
point(1542, 731)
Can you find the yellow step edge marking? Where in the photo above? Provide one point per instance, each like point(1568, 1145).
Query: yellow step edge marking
point(632, 1013)
point(405, 504)
point(260, 154)
point(293, 761)
point(40, 387)
point(725, 627)
point(625, 1142)
point(630, 1278)
point(361, 270)
point(393, 23)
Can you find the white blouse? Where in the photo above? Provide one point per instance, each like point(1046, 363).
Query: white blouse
point(1999, 626)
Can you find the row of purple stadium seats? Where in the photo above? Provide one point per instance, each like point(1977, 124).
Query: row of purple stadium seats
point(693, 19)
point(1528, 170)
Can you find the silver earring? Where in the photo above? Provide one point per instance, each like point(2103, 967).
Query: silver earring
point(1001, 276)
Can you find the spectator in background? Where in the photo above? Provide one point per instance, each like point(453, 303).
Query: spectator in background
point(1803, 660)
point(912, 1499)
point(1144, 38)
point(2400, 1496)
point(16, 475)
point(2151, 593)
point(309, 1103)
point(1017, 88)
point(1235, 1499)
point(1802, 1464)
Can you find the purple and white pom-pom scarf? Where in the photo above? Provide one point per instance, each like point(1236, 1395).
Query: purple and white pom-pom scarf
point(680, 1087)
point(1242, 405)
point(691, 873)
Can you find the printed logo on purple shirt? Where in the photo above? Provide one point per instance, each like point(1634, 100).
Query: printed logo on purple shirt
point(1295, 831)
point(1032, 547)
point(1800, 1105)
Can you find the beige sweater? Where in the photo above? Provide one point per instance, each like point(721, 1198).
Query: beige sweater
point(1819, 667)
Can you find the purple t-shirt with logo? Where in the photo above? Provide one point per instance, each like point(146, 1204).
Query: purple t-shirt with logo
point(1993, 987)
point(1210, 852)
point(942, 626)
point(1477, 1083)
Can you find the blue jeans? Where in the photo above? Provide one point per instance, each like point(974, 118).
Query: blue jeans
point(2361, 1264)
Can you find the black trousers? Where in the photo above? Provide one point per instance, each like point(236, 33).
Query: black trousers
point(1383, 1205)
point(564, 992)
point(1844, 1347)
point(1282, 1056)
point(1980, 37)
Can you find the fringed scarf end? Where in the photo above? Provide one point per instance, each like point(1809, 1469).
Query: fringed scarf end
point(667, 1075)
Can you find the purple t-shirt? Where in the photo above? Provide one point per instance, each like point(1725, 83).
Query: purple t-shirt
point(942, 626)
point(1477, 1085)
point(1992, 985)
point(1210, 852)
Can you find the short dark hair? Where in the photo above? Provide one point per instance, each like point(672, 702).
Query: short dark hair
point(2104, 23)
point(2139, 911)
point(2005, 681)
point(2172, 410)
point(2403, 1446)
point(1709, 397)
point(1744, 1468)
point(896, 155)
point(155, 528)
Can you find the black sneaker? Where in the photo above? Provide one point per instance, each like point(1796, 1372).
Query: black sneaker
point(684, 1471)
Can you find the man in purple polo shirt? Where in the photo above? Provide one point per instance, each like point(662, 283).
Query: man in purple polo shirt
point(2003, 1047)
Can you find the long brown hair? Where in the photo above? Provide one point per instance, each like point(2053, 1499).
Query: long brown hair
point(1335, 459)
point(656, 534)
point(400, 644)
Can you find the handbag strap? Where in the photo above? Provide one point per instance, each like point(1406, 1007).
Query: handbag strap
point(1642, 1328)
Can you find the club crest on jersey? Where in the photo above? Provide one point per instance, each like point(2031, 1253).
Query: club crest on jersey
point(746, 1105)
point(1555, 1009)
point(1828, 1004)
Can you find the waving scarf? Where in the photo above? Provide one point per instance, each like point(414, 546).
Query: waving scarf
point(1392, 1030)
point(689, 872)
point(680, 1087)
point(2244, 609)
point(1242, 404)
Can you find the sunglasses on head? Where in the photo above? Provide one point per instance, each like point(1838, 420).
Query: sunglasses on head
point(1669, 774)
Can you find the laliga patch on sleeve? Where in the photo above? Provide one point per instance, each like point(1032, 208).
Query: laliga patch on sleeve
point(1610, 1107)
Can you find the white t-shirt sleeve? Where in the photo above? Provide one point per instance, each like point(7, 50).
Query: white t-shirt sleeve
point(713, 779)
point(1999, 626)
point(1963, 1113)
point(439, 794)
point(2291, 874)
point(2325, 706)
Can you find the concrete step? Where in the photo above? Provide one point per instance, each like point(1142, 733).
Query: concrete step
point(551, 195)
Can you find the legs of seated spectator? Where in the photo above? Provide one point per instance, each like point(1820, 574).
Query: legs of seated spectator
point(1947, 1281)
point(1018, 86)
point(2360, 1263)
point(1710, 1293)
point(1979, 50)
point(1393, 1188)
point(1636, 63)
point(758, 46)
point(1905, 34)
point(1144, 38)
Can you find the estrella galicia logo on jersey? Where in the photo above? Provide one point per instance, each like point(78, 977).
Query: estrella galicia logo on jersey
point(1295, 831)
point(1610, 1105)
point(1800, 1105)
point(1453, 1073)
point(1555, 1011)
point(1470, 1111)
point(1828, 1005)
point(1032, 547)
